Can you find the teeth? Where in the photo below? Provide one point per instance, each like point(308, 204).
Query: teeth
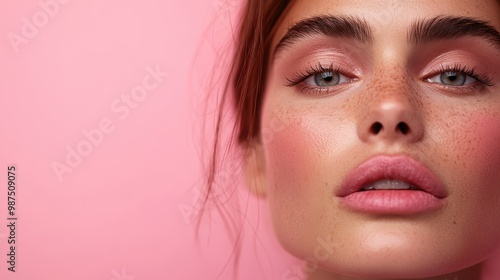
point(390, 185)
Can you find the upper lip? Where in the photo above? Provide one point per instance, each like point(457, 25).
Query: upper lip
point(392, 167)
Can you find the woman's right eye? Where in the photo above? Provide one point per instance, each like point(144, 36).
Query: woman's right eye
point(326, 79)
point(320, 79)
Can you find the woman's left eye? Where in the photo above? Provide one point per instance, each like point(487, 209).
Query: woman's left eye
point(326, 79)
point(452, 78)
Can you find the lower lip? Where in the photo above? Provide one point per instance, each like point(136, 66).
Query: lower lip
point(392, 202)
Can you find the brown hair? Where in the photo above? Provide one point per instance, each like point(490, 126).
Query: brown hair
point(243, 91)
point(247, 75)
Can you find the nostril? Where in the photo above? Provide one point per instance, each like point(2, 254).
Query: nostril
point(376, 128)
point(403, 127)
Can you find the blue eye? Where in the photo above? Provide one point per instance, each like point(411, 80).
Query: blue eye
point(326, 79)
point(460, 77)
point(319, 78)
point(452, 78)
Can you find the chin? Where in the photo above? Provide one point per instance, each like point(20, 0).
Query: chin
point(391, 251)
point(388, 256)
point(375, 266)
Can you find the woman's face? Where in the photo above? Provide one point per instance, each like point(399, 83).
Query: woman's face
point(368, 95)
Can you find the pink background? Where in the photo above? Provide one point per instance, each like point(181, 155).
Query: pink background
point(126, 210)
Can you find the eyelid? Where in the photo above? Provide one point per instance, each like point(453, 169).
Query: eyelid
point(481, 78)
point(301, 76)
point(305, 88)
point(468, 79)
point(342, 79)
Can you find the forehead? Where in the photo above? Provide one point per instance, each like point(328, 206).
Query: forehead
point(389, 17)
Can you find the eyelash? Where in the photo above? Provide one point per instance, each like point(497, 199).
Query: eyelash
point(300, 77)
point(483, 80)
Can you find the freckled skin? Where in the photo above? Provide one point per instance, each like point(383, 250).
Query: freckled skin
point(455, 134)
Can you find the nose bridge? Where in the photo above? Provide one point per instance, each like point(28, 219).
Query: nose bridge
point(390, 112)
point(389, 93)
point(391, 96)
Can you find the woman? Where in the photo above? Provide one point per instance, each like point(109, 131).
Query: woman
point(385, 163)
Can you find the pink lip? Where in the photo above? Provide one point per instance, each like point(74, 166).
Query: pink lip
point(400, 167)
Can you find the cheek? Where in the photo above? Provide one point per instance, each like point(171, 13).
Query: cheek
point(291, 154)
point(303, 153)
point(467, 151)
point(488, 131)
point(476, 178)
point(482, 149)
point(484, 165)
point(290, 160)
point(300, 165)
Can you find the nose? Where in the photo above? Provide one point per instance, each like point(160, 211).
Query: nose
point(391, 117)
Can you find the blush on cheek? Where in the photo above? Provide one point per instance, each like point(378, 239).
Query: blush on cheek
point(485, 146)
point(294, 152)
point(304, 151)
point(289, 152)
point(481, 178)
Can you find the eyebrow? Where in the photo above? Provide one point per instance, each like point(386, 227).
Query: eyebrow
point(330, 26)
point(420, 32)
point(448, 27)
